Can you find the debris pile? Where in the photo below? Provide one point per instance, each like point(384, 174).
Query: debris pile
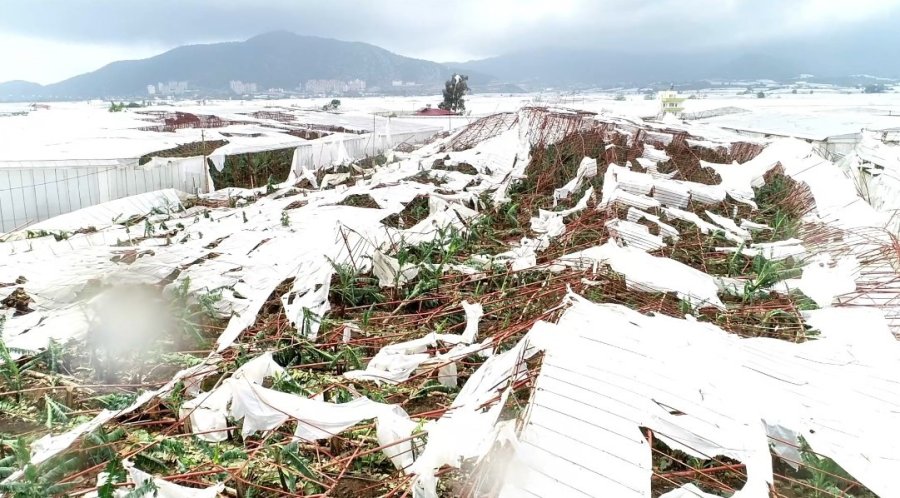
point(544, 303)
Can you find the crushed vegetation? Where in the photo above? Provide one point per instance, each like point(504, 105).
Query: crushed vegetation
point(190, 149)
point(360, 200)
point(253, 169)
point(413, 212)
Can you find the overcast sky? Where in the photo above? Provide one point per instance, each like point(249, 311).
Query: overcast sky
point(49, 40)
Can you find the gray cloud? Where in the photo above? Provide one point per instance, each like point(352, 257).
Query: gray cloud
point(446, 28)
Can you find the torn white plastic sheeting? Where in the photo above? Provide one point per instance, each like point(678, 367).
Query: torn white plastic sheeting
point(666, 230)
point(653, 154)
point(443, 216)
point(257, 285)
point(394, 429)
point(522, 257)
point(49, 446)
point(307, 301)
point(473, 312)
point(549, 224)
point(705, 194)
point(634, 235)
point(836, 197)
point(774, 251)
point(390, 366)
point(166, 489)
point(861, 330)
point(729, 225)
point(265, 409)
point(704, 226)
point(633, 188)
point(586, 169)
point(108, 213)
point(628, 199)
point(823, 280)
point(649, 273)
point(464, 430)
point(749, 225)
point(582, 430)
point(688, 491)
point(389, 272)
point(570, 446)
point(396, 362)
point(632, 181)
point(207, 412)
point(653, 374)
point(671, 193)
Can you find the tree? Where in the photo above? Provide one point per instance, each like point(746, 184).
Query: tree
point(454, 90)
point(761, 95)
point(876, 88)
point(332, 106)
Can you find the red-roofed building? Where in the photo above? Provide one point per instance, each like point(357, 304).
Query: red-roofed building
point(434, 111)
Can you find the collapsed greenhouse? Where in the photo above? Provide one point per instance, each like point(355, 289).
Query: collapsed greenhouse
point(61, 160)
point(543, 303)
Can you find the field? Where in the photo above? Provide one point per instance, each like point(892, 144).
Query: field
point(544, 302)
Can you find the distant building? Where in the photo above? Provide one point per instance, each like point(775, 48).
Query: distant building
point(172, 88)
point(670, 102)
point(334, 87)
point(241, 88)
point(434, 111)
point(151, 90)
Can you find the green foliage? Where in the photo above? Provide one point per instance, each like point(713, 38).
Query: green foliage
point(826, 476)
point(332, 106)
point(99, 444)
point(53, 357)
point(58, 235)
point(9, 369)
point(253, 169)
point(455, 90)
point(294, 473)
point(149, 228)
point(115, 401)
point(147, 488)
point(37, 481)
point(55, 412)
point(761, 95)
point(190, 316)
point(285, 219)
point(766, 274)
point(115, 475)
point(349, 288)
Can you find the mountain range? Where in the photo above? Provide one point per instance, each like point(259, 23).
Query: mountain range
point(285, 60)
point(273, 60)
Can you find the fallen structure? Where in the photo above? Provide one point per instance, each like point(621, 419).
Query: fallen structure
point(544, 303)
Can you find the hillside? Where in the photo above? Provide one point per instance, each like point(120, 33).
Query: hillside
point(273, 60)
